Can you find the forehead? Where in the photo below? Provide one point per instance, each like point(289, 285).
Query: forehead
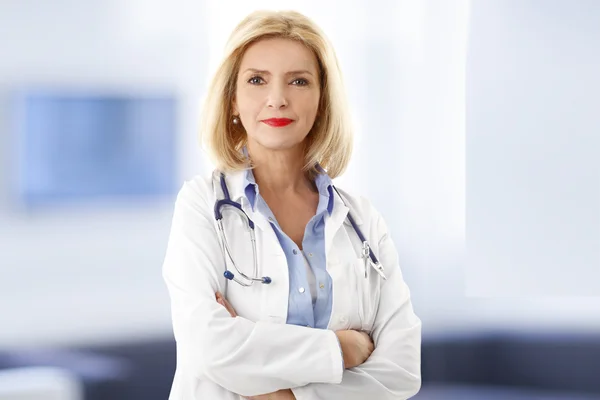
point(279, 55)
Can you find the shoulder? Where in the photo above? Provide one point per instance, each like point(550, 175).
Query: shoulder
point(196, 192)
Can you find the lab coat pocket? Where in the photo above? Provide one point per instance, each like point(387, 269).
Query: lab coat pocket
point(368, 290)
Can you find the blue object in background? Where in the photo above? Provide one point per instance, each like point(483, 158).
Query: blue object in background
point(78, 147)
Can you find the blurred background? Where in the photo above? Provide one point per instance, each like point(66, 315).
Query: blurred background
point(478, 139)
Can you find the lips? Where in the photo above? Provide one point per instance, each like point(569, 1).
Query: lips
point(278, 122)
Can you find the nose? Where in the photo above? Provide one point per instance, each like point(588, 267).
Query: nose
point(277, 97)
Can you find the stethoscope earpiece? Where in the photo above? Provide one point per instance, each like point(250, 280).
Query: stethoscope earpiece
point(266, 280)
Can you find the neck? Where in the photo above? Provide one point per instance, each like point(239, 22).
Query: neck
point(279, 171)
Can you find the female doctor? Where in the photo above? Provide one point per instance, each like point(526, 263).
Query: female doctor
point(283, 286)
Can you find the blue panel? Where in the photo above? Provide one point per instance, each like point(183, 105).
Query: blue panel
point(76, 147)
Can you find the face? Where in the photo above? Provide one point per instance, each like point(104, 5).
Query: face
point(277, 95)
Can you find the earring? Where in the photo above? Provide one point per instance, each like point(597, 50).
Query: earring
point(235, 120)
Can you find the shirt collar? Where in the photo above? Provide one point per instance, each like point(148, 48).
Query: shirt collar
point(325, 187)
point(250, 187)
point(323, 183)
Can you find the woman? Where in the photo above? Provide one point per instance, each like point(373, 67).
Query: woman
point(309, 314)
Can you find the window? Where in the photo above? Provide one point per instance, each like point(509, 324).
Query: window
point(78, 147)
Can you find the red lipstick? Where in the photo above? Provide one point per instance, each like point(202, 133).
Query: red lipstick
point(277, 122)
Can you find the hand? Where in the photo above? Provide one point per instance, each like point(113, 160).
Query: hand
point(356, 347)
point(223, 301)
point(285, 394)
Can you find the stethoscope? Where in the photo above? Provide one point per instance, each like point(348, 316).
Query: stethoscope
point(367, 254)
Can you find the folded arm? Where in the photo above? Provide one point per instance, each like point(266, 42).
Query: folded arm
point(244, 357)
point(393, 371)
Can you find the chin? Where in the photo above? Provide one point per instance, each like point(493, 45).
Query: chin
point(277, 142)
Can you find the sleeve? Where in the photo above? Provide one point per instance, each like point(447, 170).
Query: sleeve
point(393, 371)
point(241, 356)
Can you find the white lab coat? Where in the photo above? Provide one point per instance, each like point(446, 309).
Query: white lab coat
point(220, 357)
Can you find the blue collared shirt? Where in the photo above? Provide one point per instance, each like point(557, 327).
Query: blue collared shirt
point(301, 310)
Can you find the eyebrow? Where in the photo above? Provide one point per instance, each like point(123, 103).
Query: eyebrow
point(265, 72)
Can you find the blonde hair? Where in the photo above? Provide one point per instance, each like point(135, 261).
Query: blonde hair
point(329, 142)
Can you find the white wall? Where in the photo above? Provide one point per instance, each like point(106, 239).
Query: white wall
point(533, 158)
point(533, 140)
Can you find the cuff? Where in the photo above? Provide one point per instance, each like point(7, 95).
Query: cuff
point(337, 358)
point(341, 353)
point(307, 392)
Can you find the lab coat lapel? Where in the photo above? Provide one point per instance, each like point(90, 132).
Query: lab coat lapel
point(337, 226)
point(333, 223)
point(235, 181)
point(271, 258)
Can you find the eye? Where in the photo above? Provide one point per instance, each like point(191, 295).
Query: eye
point(301, 82)
point(255, 80)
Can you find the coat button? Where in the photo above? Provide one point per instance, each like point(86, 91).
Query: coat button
point(295, 251)
point(301, 290)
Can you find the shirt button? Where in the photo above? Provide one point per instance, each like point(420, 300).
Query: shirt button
point(343, 319)
point(321, 285)
point(271, 219)
point(310, 254)
point(295, 251)
point(301, 290)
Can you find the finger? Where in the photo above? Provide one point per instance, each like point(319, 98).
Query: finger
point(229, 308)
point(222, 302)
